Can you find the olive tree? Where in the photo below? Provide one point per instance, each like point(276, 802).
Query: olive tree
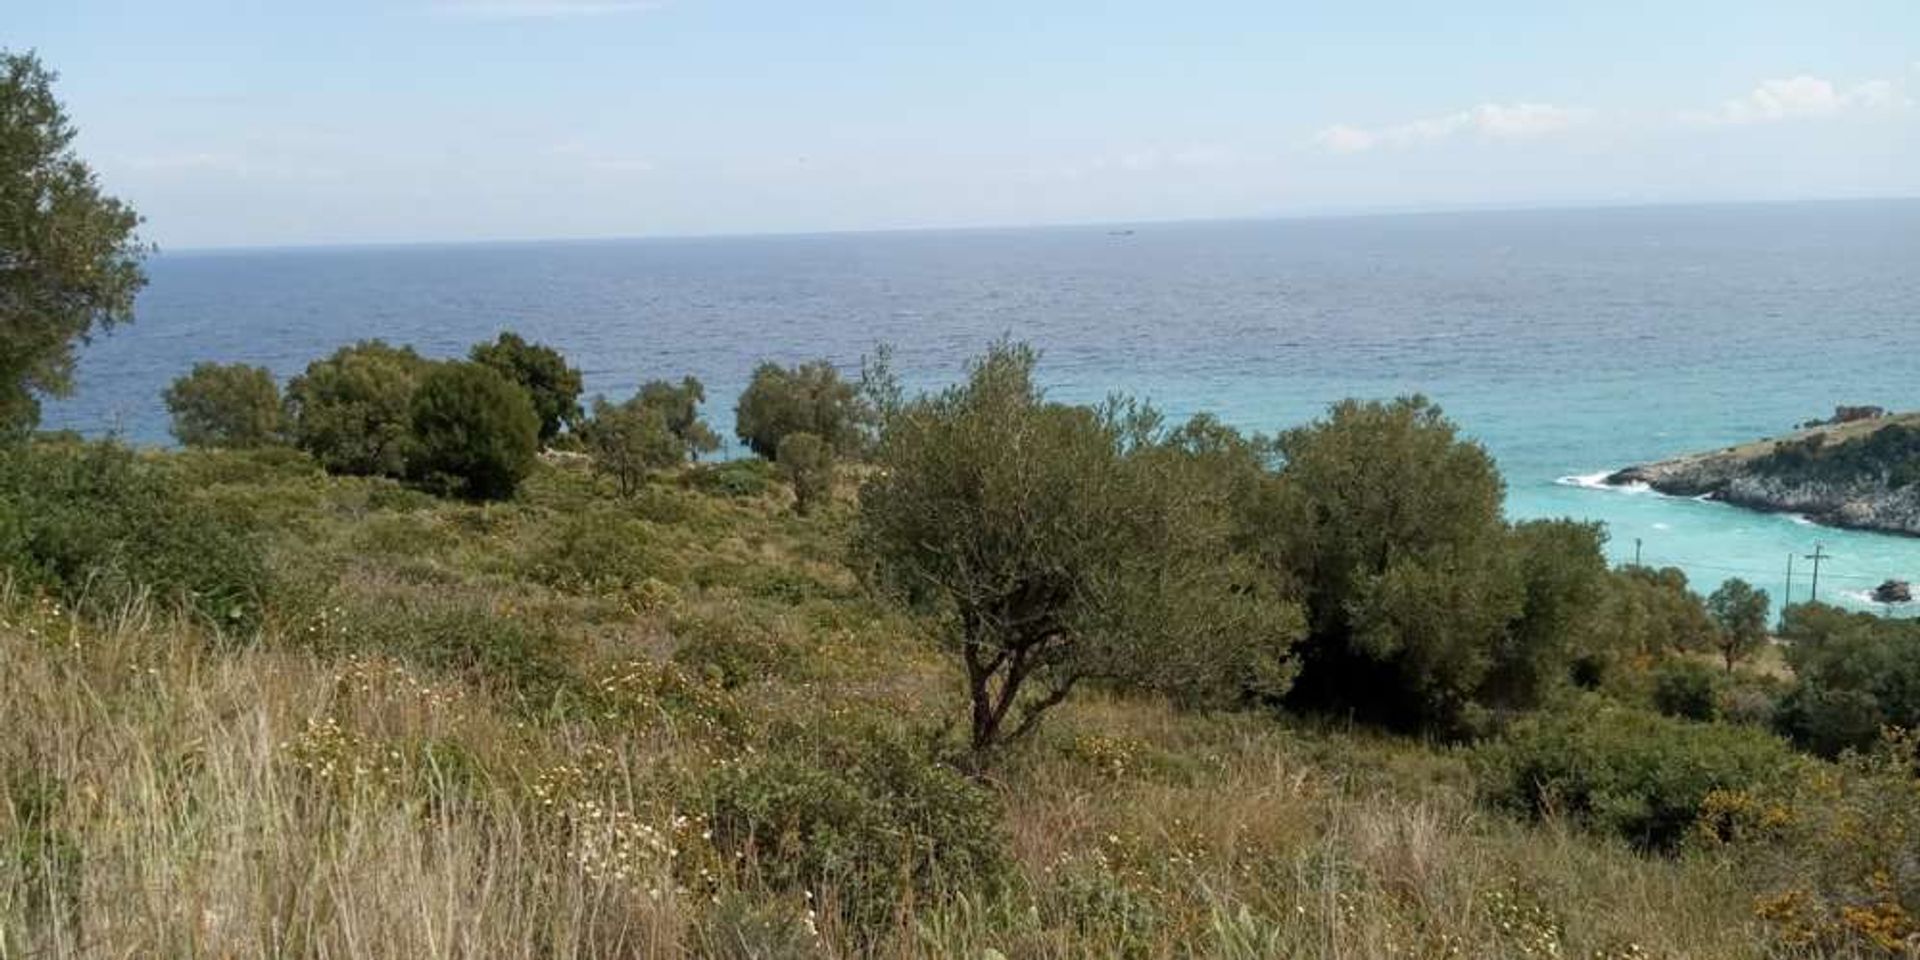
point(234, 406)
point(70, 263)
point(679, 405)
point(1389, 527)
point(810, 398)
point(552, 384)
point(1740, 613)
point(627, 441)
point(352, 410)
point(1563, 577)
point(1058, 544)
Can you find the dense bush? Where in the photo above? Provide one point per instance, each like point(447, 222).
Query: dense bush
point(807, 463)
point(863, 815)
point(1685, 689)
point(679, 408)
point(1888, 454)
point(1833, 852)
point(97, 526)
point(599, 552)
point(1853, 674)
point(1563, 575)
point(1426, 611)
point(1632, 773)
point(351, 410)
point(627, 441)
point(474, 431)
point(810, 398)
point(1648, 613)
point(552, 385)
point(234, 406)
point(735, 650)
point(1058, 543)
point(732, 478)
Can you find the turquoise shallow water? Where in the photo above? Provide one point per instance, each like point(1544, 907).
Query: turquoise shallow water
point(1570, 342)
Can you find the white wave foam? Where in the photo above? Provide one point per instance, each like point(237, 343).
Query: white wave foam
point(1598, 481)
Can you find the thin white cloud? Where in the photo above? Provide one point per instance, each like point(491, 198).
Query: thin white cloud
point(1800, 98)
point(1491, 121)
point(540, 9)
point(226, 165)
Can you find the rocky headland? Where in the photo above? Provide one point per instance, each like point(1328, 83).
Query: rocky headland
point(1859, 469)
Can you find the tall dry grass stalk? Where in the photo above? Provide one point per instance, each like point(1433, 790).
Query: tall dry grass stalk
point(163, 799)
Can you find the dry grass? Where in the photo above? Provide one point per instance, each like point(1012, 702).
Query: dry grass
point(166, 794)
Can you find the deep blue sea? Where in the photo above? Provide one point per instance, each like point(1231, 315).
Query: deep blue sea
point(1569, 342)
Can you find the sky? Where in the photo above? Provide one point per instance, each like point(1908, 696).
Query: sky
point(373, 121)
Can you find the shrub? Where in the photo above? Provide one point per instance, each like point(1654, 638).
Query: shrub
point(1562, 575)
point(807, 462)
point(352, 409)
point(1685, 689)
point(552, 385)
point(473, 431)
point(628, 441)
point(1833, 853)
point(1651, 613)
point(1631, 773)
point(1853, 673)
point(96, 525)
point(862, 813)
point(1058, 542)
point(679, 407)
point(1740, 612)
point(234, 406)
point(735, 650)
point(598, 553)
point(809, 398)
point(1391, 525)
point(732, 478)
point(484, 646)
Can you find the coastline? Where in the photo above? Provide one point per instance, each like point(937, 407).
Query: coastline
point(1788, 474)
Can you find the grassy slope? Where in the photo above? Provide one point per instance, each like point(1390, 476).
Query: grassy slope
point(379, 775)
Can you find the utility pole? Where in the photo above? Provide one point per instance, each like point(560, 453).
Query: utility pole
point(1816, 556)
point(1789, 601)
point(1636, 551)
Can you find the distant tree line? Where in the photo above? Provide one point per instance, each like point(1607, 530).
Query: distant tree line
point(1358, 566)
point(474, 427)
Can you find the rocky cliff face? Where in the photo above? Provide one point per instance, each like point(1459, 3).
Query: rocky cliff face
point(1731, 475)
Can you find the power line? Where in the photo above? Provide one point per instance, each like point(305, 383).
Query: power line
point(1755, 572)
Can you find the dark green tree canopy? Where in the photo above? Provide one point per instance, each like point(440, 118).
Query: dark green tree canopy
point(1391, 526)
point(474, 431)
point(1061, 543)
point(235, 406)
point(810, 398)
point(550, 382)
point(70, 263)
point(351, 410)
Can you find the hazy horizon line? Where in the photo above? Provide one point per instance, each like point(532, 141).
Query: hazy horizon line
point(1338, 214)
